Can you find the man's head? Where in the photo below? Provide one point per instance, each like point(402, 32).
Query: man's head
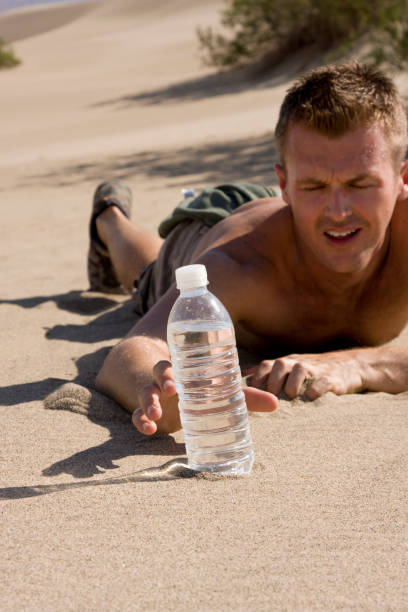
point(337, 99)
point(342, 135)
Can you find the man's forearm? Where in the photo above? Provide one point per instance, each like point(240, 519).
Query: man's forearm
point(384, 368)
point(133, 372)
point(128, 368)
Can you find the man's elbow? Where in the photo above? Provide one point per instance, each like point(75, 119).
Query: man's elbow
point(107, 379)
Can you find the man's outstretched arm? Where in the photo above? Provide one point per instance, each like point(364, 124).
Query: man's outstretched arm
point(129, 374)
point(383, 368)
point(138, 375)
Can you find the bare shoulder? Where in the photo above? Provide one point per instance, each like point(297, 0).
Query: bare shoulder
point(395, 272)
point(399, 229)
point(256, 212)
point(247, 228)
point(242, 254)
point(225, 276)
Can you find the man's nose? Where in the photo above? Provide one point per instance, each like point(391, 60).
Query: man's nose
point(338, 206)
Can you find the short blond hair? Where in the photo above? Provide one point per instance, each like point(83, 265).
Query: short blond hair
point(338, 98)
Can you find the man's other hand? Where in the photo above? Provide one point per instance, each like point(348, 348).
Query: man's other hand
point(312, 375)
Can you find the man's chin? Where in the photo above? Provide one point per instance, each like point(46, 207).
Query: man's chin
point(346, 268)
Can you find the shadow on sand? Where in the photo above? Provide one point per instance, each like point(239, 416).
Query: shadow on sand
point(270, 71)
point(77, 302)
point(79, 396)
point(113, 319)
point(249, 159)
point(174, 469)
point(222, 83)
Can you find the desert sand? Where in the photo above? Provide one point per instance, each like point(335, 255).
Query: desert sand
point(94, 515)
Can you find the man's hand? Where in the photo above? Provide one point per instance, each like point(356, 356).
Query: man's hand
point(158, 403)
point(158, 409)
point(312, 375)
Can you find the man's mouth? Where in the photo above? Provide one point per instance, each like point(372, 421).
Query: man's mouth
point(341, 236)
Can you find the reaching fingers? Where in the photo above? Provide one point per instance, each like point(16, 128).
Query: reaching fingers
point(151, 398)
point(143, 423)
point(164, 378)
point(149, 411)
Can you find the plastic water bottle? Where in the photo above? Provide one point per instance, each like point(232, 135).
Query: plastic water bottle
point(203, 352)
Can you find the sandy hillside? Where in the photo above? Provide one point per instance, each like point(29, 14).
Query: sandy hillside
point(116, 89)
point(24, 22)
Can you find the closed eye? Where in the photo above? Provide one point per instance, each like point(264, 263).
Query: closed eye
point(313, 187)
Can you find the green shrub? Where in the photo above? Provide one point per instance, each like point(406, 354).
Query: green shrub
point(7, 57)
point(280, 27)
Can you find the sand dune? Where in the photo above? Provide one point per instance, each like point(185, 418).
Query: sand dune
point(96, 73)
point(95, 517)
point(34, 20)
point(123, 9)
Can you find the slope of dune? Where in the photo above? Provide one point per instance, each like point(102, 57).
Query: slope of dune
point(118, 90)
point(107, 76)
point(34, 20)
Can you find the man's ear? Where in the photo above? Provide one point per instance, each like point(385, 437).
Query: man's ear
point(403, 192)
point(281, 174)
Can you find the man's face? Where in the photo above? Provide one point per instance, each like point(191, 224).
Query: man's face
point(342, 192)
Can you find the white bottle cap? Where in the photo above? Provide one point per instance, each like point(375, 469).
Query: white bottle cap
point(191, 277)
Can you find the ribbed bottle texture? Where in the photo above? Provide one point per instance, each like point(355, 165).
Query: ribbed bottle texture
point(212, 405)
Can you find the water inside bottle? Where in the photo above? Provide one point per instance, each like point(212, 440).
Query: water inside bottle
point(211, 401)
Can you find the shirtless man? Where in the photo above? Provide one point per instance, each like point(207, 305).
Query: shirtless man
point(316, 282)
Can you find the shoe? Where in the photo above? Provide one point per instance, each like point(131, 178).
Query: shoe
point(101, 275)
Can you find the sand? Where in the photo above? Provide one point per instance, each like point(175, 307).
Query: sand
point(95, 516)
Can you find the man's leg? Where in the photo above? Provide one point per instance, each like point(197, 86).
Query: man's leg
point(118, 250)
point(130, 248)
